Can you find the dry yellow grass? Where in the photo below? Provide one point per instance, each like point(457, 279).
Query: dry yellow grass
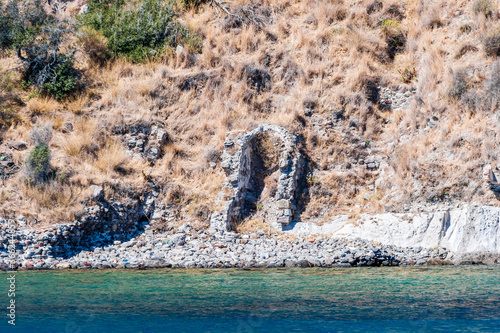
point(42, 206)
point(253, 224)
point(77, 104)
point(84, 136)
point(42, 105)
point(111, 157)
point(52, 195)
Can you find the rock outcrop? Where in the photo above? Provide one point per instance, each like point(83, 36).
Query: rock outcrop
point(474, 229)
point(143, 139)
point(396, 100)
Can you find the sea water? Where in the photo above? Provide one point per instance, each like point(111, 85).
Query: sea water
point(398, 299)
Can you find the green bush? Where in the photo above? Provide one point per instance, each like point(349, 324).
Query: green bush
point(37, 165)
point(140, 31)
point(6, 28)
point(21, 21)
point(64, 82)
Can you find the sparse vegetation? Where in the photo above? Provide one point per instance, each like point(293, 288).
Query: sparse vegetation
point(42, 105)
point(465, 28)
point(407, 75)
point(193, 3)
point(459, 83)
point(492, 86)
point(464, 49)
point(95, 45)
point(317, 68)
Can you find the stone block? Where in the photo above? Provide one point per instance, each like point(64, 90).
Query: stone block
point(284, 163)
point(162, 136)
point(97, 192)
point(233, 179)
point(283, 204)
point(226, 164)
point(284, 220)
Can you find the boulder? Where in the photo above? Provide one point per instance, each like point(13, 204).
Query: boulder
point(17, 145)
point(97, 192)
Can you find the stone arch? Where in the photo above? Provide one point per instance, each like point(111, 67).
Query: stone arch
point(238, 161)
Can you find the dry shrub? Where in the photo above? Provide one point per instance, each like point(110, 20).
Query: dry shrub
point(202, 215)
point(83, 139)
point(492, 85)
point(465, 28)
point(459, 83)
point(465, 49)
point(77, 104)
point(327, 12)
point(491, 42)
point(55, 201)
point(211, 154)
point(174, 195)
point(270, 186)
point(431, 17)
point(42, 105)
point(252, 224)
point(373, 7)
point(145, 86)
point(53, 194)
point(394, 36)
point(483, 6)
point(112, 157)
point(95, 45)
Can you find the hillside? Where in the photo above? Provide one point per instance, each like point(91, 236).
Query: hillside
point(395, 104)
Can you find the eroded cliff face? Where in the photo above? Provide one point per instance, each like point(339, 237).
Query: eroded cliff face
point(472, 229)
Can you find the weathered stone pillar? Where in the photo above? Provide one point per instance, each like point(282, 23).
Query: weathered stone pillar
point(236, 162)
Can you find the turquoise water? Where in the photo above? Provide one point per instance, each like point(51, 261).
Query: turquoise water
point(427, 299)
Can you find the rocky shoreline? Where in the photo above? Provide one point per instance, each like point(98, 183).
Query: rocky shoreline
point(187, 248)
point(117, 236)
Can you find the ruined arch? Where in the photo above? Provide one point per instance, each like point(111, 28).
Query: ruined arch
point(238, 161)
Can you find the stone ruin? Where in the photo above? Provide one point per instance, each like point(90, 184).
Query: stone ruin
point(240, 161)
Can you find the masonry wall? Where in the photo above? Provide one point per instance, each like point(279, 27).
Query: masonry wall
point(236, 162)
